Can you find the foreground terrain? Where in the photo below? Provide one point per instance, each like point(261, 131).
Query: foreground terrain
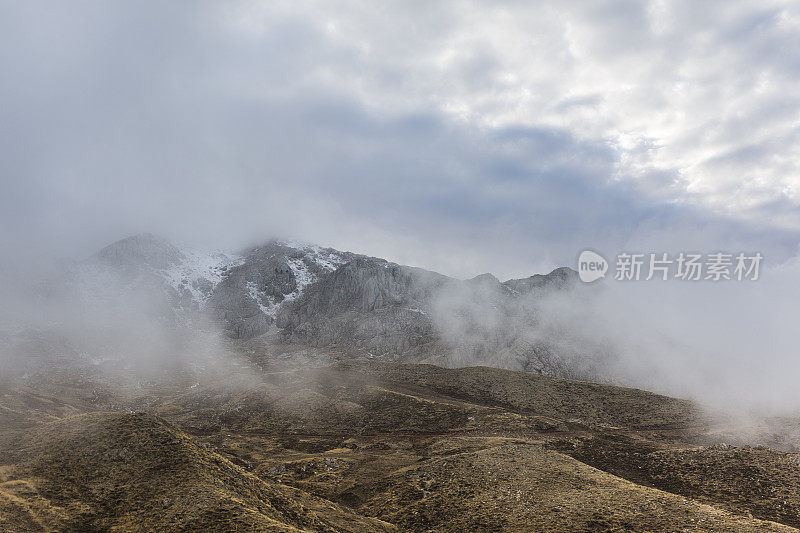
point(359, 445)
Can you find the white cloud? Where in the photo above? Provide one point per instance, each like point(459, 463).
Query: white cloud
point(440, 133)
point(707, 91)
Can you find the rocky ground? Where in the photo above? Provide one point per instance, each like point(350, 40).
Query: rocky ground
point(274, 443)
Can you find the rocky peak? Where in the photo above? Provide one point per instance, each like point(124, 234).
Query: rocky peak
point(145, 249)
point(560, 278)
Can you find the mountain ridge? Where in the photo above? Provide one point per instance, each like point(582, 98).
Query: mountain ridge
point(309, 295)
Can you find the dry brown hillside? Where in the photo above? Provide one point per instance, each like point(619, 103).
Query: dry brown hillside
point(365, 446)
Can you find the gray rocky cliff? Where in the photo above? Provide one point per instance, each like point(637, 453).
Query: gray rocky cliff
point(353, 304)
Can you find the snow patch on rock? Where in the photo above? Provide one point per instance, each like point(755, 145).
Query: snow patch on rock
point(200, 272)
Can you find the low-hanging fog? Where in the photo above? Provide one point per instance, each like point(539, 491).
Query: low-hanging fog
point(479, 138)
point(116, 330)
point(727, 344)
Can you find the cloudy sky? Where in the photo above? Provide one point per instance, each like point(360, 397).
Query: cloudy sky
point(459, 136)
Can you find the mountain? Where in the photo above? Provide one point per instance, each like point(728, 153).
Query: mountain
point(318, 410)
point(304, 294)
point(266, 278)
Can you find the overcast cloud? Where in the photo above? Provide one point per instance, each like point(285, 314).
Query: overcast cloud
point(462, 137)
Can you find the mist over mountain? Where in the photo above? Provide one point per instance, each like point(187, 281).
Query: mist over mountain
point(284, 292)
point(717, 343)
point(308, 266)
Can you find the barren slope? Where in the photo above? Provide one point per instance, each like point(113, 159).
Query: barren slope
point(361, 446)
